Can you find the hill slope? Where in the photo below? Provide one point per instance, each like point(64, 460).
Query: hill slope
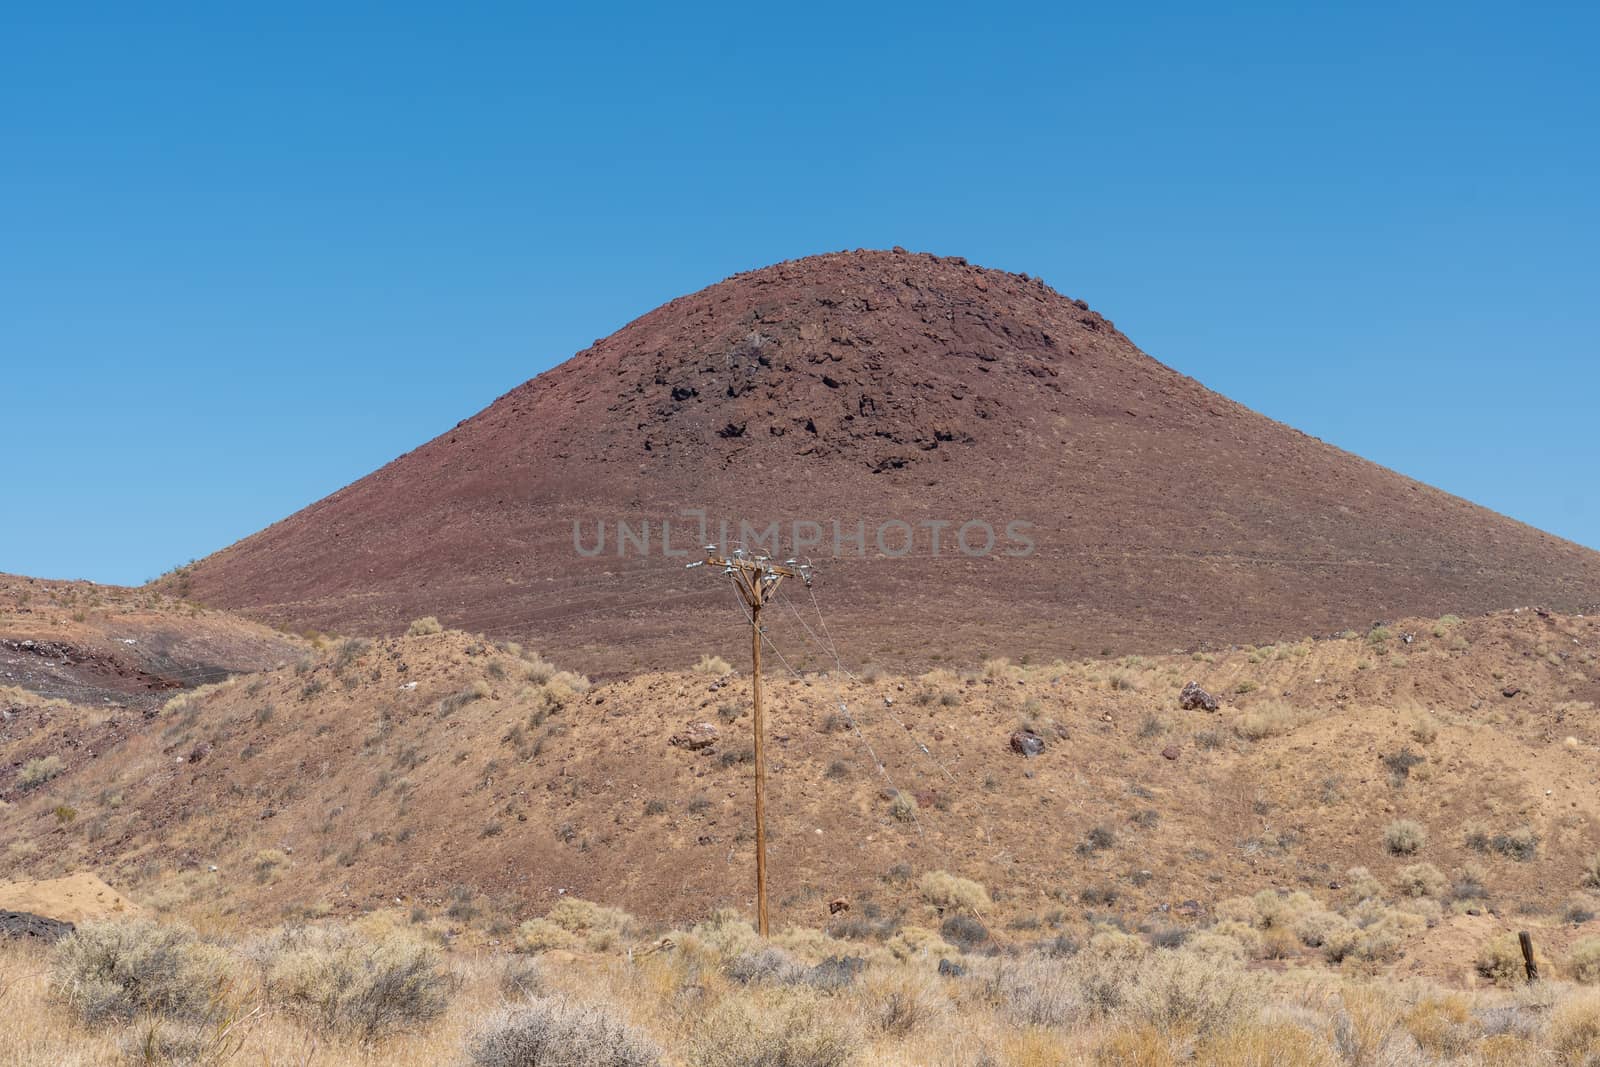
point(402, 769)
point(871, 388)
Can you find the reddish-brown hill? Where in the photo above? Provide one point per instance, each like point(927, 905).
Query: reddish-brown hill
point(883, 387)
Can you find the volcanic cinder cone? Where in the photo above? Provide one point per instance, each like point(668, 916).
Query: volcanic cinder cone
point(1132, 509)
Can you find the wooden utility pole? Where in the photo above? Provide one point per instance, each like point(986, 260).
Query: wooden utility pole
point(756, 579)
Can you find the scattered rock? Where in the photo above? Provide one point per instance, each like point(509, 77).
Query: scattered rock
point(696, 737)
point(1193, 698)
point(1170, 752)
point(1510, 691)
point(25, 925)
point(1027, 743)
point(838, 904)
point(951, 969)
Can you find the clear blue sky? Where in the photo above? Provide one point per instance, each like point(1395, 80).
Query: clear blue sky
point(249, 253)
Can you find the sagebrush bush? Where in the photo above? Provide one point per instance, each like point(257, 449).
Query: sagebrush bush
point(1500, 960)
point(1583, 961)
point(774, 1028)
point(1271, 719)
point(122, 970)
point(948, 892)
point(769, 966)
point(542, 935)
point(1420, 880)
point(36, 772)
point(557, 1032)
point(1591, 873)
point(912, 942)
point(1404, 837)
point(1574, 1029)
point(344, 980)
point(1038, 992)
point(424, 627)
point(1195, 992)
point(1180, 991)
point(903, 1001)
point(713, 665)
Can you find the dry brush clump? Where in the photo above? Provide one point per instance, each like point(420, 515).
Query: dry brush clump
point(122, 971)
point(36, 772)
point(344, 980)
point(560, 1032)
point(1404, 837)
point(775, 1028)
point(949, 892)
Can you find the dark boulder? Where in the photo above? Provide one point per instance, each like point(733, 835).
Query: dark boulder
point(1193, 698)
point(1027, 743)
point(26, 926)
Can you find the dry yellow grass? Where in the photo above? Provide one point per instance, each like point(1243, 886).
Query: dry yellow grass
point(1169, 1006)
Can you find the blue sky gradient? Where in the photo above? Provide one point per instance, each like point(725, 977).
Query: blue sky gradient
point(248, 256)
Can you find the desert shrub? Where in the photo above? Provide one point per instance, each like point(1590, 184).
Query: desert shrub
point(727, 933)
point(1314, 927)
point(424, 627)
point(1521, 845)
point(769, 966)
point(901, 1002)
point(1271, 719)
point(557, 1032)
point(1211, 943)
point(1403, 837)
point(1500, 960)
point(456, 701)
point(914, 942)
point(713, 665)
point(1247, 937)
point(1038, 992)
point(964, 932)
point(1098, 839)
point(1574, 1029)
point(776, 1028)
point(1583, 961)
point(1362, 885)
point(541, 935)
point(1275, 910)
point(595, 922)
point(1373, 935)
point(1113, 944)
point(342, 979)
point(1424, 729)
point(1469, 883)
point(947, 892)
point(1591, 873)
point(1182, 991)
point(268, 863)
point(1419, 880)
point(521, 979)
point(903, 806)
point(36, 772)
point(1340, 941)
point(1400, 765)
point(119, 971)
